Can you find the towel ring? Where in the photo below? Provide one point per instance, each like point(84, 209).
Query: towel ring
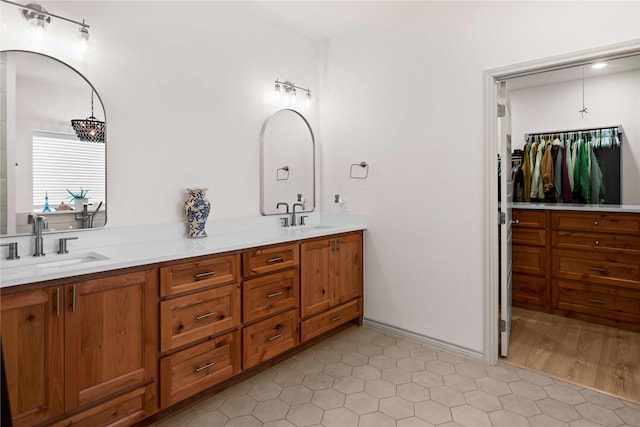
point(363, 165)
point(284, 175)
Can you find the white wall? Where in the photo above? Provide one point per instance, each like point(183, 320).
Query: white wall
point(186, 87)
point(612, 100)
point(407, 98)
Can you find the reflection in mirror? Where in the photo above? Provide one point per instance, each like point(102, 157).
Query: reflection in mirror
point(44, 167)
point(287, 172)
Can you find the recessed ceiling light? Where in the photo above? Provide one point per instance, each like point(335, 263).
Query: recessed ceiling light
point(599, 65)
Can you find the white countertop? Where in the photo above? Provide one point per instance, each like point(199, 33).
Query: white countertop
point(111, 249)
point(577, 207)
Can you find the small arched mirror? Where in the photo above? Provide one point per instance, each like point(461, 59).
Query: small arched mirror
point(287, 152)
point(48, 165)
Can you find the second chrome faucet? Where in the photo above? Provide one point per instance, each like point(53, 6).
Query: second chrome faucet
point(285, 220)
point(39, 223)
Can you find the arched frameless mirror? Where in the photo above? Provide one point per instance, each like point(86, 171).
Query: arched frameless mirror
point(287, 153)
point(45, 166)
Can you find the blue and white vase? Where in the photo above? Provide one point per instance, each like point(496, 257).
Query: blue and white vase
point(197, 209)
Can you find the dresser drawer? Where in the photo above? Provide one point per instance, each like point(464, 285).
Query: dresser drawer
point(197, 368)
point(596, 241)
point(264, 296)
point(263, 340)
point(529, 236)
point(603, 268)
point(528, 218)
point(594, 221)
point(190, 276)
point(267, 260)
point(531, 290)
point(191, 317)
point(604, 301)
point(324, 322)
point(529, 259)
point(123, 410)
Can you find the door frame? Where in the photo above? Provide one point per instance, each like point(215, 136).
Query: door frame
point(490, 161)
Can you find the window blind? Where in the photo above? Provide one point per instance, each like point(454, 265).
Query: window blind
point(61, 162)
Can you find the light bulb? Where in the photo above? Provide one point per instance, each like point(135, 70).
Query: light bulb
point(293, 95)
point(308, 101)
point(599, 65)
point(277, 92)
point(83, 36)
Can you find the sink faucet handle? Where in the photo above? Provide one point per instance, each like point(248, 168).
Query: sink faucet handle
point(62, 244)
point(302, 219)
point(285, 221)
point(13, 250)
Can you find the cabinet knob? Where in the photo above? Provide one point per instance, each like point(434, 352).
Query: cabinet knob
point(597, 242)
point(595, 223)
point(515, 221)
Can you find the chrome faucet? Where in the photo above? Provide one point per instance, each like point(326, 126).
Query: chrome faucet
point(39, 222)
point(293, 214)
point(285, 220)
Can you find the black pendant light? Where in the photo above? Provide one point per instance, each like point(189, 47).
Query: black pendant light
point(89, 129)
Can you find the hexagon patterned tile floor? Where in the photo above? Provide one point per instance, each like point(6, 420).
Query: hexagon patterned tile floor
point(366, 377)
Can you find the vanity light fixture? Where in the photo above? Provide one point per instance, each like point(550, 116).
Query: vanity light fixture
point(291, 90)
point(38, 18)
point(89, 129)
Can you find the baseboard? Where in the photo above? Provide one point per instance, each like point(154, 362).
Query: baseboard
point(430, 341)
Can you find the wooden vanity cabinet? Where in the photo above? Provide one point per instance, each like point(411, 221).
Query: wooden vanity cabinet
point(199, 325)
point(331, 275)
point(530, 288)
point(74, 351)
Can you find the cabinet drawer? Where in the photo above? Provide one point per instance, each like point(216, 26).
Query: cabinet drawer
point(324, 322)
point(270, 294)
point(604, 301)
point(596, 241)
point(121, 411)
point(190, 276)
point(197, 368)
point(528, 259)
point(530, 290)
point(528, 218)
point(267, 260)
point(529, 236)
point(191, 317)
point(603, 268)
point(594, 221)
point(263, 340)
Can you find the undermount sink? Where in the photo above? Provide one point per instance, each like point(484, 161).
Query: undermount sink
point(49, 262)
point(310, 228)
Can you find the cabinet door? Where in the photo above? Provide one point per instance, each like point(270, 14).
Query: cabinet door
point(104, 328)
point(316, 277)
point(347, 268)
point(32, 348)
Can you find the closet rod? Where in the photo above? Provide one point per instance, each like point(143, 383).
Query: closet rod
point(600, 128)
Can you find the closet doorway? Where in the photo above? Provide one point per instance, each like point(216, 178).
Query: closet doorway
point(588, 354)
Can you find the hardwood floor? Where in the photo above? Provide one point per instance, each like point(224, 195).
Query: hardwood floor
point(600, 357)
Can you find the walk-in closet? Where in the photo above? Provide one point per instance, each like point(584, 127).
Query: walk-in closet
point(575, 170)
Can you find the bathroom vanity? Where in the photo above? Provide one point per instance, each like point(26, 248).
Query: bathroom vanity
point(578, 261)
point(114, 340)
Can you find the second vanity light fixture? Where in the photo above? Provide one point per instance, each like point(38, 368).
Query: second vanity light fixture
point(38, 18)
point(291, 91)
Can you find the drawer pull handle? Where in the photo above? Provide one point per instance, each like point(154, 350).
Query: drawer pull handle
point(335, 319)
point(204, 316)
point(595, 223)
point(595, 301)
point(275, 337)
point(205, 275)
point(275, 294)
point(515, 221)
point(207, 366)
point(276, 259)
point(600, 269)
point(597, 242)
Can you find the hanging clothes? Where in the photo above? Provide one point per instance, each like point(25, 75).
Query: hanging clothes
point(546, 168)
point(535, 175)
point(569, 161)
point(567, 190)
point(581, 173)
point(557, 171)
point(526, 173)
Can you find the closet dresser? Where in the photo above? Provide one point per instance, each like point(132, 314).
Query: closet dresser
point(578, 261)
